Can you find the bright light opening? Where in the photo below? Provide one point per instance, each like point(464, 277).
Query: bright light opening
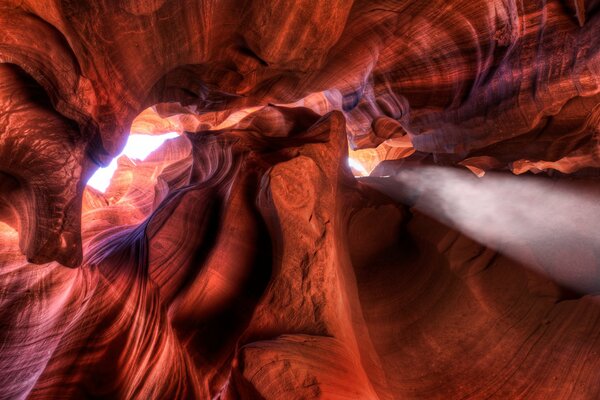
point(138, 147)
point(357, 166)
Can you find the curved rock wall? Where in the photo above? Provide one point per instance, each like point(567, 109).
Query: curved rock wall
point(243, 260)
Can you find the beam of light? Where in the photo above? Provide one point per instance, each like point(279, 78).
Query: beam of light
point(357, 166)
point(552, 226)
point(138, 147)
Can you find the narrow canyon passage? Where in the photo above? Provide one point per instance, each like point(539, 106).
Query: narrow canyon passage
point(299, 200)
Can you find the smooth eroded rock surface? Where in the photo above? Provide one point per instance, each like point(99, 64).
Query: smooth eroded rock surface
point(243, 259)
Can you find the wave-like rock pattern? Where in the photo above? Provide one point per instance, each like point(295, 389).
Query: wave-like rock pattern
point(242, 259)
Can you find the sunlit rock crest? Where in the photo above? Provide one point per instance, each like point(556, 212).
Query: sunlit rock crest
point(242, 259)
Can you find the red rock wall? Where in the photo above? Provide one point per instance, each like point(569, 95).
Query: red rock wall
point(243, 260)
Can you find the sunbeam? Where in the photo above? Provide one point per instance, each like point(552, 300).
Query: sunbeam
point(550, 225)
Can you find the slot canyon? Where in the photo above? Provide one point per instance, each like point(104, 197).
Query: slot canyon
point(345, 199)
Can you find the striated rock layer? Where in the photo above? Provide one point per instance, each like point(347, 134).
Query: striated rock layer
point(243, 260)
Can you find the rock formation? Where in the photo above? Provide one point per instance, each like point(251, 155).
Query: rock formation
point(244, 259)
